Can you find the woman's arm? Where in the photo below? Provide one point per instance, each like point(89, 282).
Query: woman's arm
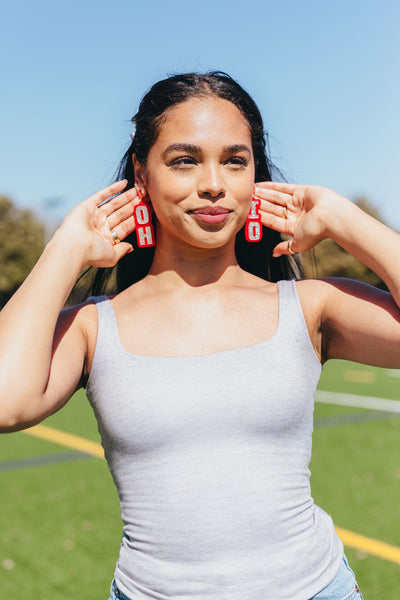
point(42, 353)
point(358, 322)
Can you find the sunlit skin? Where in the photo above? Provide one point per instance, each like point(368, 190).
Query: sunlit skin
point(196, 299)
point(199, 178)
point(202, 162)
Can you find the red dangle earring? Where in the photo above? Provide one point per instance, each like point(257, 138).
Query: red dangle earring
point(253, 228)
point(143, 215)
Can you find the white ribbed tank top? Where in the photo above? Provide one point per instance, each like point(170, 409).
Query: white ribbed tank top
point(210, 457)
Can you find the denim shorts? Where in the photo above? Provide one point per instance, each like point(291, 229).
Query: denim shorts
point(343, 587)
point(116, 594)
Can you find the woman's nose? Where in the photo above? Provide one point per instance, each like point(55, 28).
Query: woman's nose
point(211, 181)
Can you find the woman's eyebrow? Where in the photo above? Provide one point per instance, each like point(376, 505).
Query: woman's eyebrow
point(193, 149)
point(190, 148)
point(237, 148)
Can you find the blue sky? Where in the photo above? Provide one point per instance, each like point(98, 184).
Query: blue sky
point(325, 75)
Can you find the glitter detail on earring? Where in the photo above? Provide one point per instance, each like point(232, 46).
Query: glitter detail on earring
point(253, 228)
point(142, 213)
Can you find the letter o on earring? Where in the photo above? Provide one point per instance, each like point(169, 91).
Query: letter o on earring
point(253, 227)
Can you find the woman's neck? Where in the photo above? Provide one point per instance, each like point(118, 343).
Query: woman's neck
point(194, 267)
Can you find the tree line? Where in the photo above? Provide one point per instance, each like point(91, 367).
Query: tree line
point(22, 239)
point(328, 259)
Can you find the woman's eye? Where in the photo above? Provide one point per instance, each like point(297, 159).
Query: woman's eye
point(182, 162)
point(237, 161)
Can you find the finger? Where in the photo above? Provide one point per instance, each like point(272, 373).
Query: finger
point(287, 247)
point(122, 249)
point(278, 210)
point(119, 201)
point(272, 195)
point(277, 223)
point(279, 186)
point(122, 230)
point(119, 216)
point(110, 190)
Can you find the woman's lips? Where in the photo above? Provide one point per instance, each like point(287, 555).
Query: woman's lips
point(211, 215)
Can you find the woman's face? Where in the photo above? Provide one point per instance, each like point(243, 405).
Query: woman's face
point(199, 173)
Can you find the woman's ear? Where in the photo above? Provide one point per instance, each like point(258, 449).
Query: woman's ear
point(140, 174)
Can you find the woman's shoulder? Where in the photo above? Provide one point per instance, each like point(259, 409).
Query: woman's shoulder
point(318, 297)
point(82, 318)
point(313, 288)
point(327, 287)
point(79, 313)
point(313, 294)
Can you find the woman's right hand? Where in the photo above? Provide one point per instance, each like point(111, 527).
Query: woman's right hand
point(34, 339)
point(91, 223)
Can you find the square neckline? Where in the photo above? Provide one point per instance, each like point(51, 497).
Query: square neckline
point(117, 336)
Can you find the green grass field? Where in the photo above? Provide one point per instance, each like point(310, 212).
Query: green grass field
point(60, 522)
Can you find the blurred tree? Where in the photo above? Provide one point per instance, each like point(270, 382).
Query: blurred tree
point(22, 239)
point(328, 259)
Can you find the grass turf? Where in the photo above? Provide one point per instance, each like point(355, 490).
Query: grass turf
point(60, 523)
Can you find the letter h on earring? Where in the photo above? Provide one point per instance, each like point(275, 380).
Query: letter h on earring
point(142, 214)
point(253, 228)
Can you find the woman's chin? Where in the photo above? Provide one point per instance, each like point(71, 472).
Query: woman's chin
point(201, 234)
point(212, 239)
point(213, 234)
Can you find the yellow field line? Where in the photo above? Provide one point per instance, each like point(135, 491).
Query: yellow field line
point(349, 538)
point(66, 439)
point(369, 545)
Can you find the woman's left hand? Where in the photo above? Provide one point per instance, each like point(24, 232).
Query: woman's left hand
point(300, 211)
point(358, 322)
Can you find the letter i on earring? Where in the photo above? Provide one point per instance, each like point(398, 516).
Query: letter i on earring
point(142, 214)
point(253, 228)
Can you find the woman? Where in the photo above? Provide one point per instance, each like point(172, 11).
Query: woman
point(201, 370)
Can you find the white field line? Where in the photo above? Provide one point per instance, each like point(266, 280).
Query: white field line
point(370, 402)
point(392, 372)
